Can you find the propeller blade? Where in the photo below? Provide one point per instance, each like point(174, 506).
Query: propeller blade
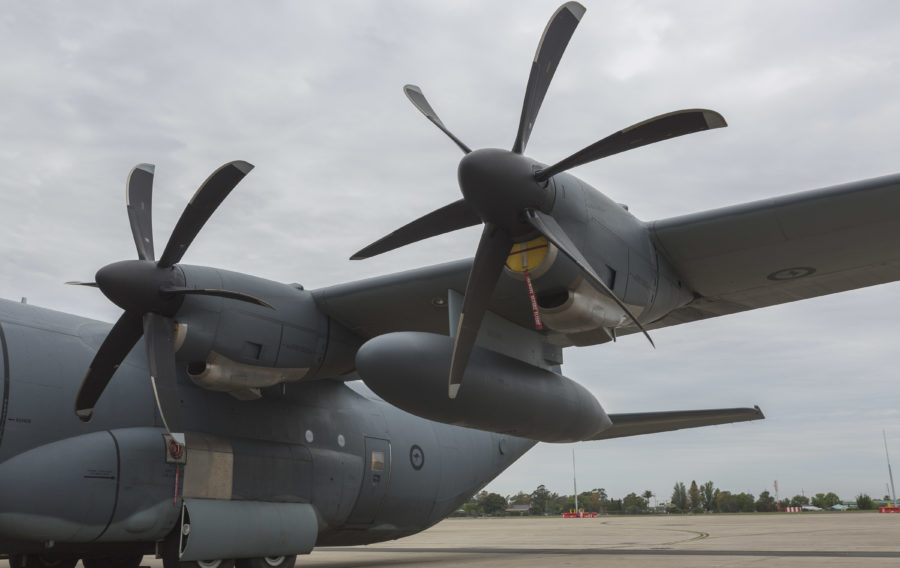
point(656, 129)
point(122, 337)
point(138, 201)
point(210, 195)
point(415, 96)
point(549, 52)
point(457, 215)
point(159, 334)
point(493, 248)
point(240, 296)
point(547, 226)
point(75, 283)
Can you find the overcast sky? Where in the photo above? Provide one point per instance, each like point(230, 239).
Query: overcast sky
point(310, 92)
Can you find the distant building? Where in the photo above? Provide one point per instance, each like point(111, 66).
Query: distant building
point(518, 510)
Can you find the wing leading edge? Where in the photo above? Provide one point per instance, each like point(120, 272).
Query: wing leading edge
point(640, 423)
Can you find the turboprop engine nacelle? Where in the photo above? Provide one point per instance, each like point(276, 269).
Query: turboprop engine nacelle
point(239, 347)
point(502, 394)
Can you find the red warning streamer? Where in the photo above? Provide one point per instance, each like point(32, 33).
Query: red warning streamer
point(538, 324)
point(175, 500)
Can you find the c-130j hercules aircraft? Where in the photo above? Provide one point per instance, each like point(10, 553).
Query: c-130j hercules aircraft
point(251, 443)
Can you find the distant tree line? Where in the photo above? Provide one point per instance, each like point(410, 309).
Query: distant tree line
point(704, 498)
point(541, 501)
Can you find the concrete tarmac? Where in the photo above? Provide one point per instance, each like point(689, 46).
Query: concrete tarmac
point(777, 539)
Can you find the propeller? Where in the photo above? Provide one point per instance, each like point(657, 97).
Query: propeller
point(151, 291)
point(549, 52)
point(511, 194)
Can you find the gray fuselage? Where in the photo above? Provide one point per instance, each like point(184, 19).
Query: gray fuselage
point(86, 485)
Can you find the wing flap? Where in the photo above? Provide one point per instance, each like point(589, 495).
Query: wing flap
point(636, 424)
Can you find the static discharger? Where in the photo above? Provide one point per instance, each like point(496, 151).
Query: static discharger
point(523, 258)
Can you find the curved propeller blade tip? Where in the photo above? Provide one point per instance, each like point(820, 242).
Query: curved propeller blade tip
point(85, 414)
point(453, 390)
point(243, 166)
point(714, 119)
point(576, 8)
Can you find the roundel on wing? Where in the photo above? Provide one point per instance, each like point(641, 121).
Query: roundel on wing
point(791, 273)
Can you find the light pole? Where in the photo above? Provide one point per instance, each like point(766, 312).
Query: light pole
point(575, 481)
point(886, 455)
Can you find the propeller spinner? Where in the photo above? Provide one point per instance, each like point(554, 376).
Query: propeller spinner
point(504, 191)
point(151, 291)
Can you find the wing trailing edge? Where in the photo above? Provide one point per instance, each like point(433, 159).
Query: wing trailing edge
point(638, 423)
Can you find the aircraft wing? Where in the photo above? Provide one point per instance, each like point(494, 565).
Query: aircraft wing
point(652, 422)
point(736, 258)
point(784, 249)
point(414, 300)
